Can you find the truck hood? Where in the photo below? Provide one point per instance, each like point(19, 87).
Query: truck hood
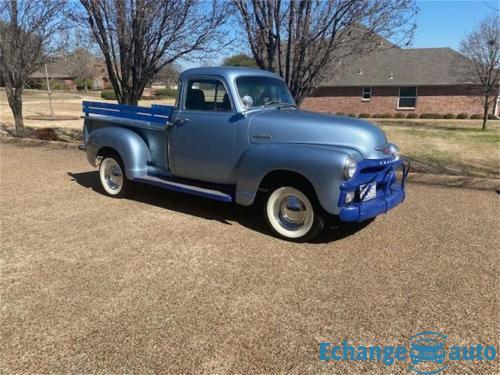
point(303, 127)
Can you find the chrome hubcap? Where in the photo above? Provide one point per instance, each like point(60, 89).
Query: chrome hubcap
point(292, 212)
point(113, 174)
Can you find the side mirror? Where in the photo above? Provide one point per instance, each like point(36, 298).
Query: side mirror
point(247, 101)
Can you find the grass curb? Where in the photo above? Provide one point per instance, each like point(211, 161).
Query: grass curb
point(38, 142)
point(463, 182)
point(419, 178)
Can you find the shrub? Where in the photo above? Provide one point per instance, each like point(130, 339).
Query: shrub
point(399, 115)
point(411, 115)
point(382, 115)
point(340, 114)
point(54, 85)
point(364, 115)
point(352, 115)
point(476, 116)
point(491, 116)
point(167, 92)
point(46, 134)
point(449, 116)
point(463, 116)
point(80, 84)
point(108, 94)
point(431, 115)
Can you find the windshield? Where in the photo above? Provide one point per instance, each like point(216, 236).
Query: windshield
point(264, 91)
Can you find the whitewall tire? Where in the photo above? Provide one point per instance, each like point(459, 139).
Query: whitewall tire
point(112, 177)
point(291, 214)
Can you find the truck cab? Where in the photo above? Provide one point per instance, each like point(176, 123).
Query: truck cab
point(235, 133)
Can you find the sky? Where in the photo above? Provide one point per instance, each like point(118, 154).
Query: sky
point(445, 23)
point(442, 23)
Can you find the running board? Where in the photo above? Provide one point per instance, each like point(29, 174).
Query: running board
point(183, 188)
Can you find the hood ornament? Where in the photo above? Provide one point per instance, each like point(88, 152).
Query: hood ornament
point(384, 149)
point(389, 150)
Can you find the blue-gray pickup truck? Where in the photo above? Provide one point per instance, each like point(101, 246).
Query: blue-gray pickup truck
point(235, 134)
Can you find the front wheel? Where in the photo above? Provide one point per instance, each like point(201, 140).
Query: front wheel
point(112, 176)
point(292, 214)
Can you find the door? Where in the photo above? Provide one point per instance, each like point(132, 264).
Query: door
point(203, 132)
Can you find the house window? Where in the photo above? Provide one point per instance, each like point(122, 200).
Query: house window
point(407, 97)
point(367, 94)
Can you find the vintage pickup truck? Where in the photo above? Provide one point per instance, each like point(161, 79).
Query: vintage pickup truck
point(235, 134)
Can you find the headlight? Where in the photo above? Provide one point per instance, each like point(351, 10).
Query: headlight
point(349, 167)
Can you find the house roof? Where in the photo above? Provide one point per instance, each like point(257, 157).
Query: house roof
point(401, 67)
point(60, 67)
point(55, 69)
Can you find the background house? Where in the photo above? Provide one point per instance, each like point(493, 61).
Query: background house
point(59, 76)
point(68, 72)
point(394, 80)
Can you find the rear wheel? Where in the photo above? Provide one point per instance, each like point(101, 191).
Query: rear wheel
point(112, 176)
point(292, 213)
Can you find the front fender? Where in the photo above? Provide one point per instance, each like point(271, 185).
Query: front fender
point(131, 147)
point(321, 165)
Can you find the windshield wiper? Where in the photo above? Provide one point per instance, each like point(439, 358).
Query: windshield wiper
point(280, 104)
point(288, 105)
point(271, 102)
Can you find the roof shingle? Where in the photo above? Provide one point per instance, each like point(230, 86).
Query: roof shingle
point(407, 67)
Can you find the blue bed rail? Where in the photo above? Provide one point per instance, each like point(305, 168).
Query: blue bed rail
point(156, 114)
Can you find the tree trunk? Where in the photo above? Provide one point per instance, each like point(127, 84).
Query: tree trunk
point(485, 113)
point(134, 98)
point(14, 96)
point(85, 88)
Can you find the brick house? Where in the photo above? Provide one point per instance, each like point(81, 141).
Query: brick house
point(62, 76)
point(393, 80)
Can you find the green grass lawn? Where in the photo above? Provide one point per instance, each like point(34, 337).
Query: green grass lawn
point(457, 147)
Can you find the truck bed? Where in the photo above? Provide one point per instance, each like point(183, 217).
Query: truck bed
point(150, 123)
point(156, 115)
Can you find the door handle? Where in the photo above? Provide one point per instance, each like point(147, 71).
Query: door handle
point(181, 121)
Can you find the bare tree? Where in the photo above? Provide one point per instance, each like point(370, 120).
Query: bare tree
point(168, 75)
point(28, 30)
point(303, 40)
point(482, 48)
point(80, 60)
point(83, 65)
point(139, 37)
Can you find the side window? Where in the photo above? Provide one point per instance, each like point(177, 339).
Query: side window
point(207, 95)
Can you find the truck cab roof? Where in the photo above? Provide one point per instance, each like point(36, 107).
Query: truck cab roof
point(229, 73)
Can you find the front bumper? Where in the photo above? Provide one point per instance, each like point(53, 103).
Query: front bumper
point(390, 192)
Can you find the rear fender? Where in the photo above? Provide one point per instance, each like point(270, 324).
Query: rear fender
point(322, 166)
point(129, 145)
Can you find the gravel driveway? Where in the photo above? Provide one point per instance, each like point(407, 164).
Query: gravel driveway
point(171, 283)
